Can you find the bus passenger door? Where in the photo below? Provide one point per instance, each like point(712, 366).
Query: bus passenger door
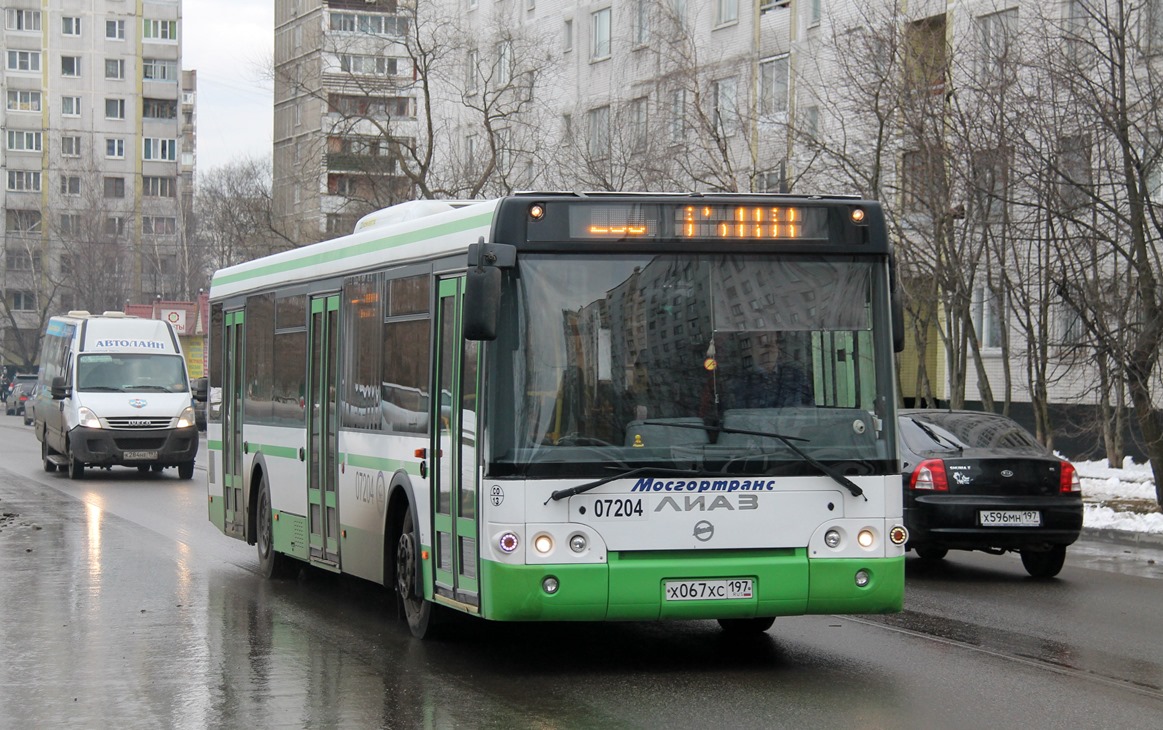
point(454, 456)
point(322, 506)
point(233, 386)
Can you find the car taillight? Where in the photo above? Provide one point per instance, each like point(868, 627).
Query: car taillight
point(930, 474)
point(1068, 482)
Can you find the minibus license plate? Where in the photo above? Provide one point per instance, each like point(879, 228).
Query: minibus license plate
point(139, 455)
point(709, 590)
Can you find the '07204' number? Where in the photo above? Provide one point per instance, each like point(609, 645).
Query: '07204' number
point(618, 508)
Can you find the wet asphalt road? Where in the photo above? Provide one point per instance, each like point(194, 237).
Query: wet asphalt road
point(121, 606)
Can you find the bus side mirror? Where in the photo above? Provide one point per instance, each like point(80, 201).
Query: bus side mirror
point(59, 388)
point(198, 389)
point(482, 288)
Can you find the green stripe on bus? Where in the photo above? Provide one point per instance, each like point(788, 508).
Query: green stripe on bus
point(214, 444)
point(378, 244)
point(381, 464)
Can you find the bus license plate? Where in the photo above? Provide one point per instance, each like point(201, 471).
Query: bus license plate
point(1010, 518)
point(728, 589)
point(139, 455)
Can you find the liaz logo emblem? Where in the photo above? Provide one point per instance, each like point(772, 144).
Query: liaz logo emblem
point(138, 402)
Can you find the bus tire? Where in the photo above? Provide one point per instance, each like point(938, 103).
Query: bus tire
point(272, 564)
point(746, 626)
point(186, 470)
point(417, 611)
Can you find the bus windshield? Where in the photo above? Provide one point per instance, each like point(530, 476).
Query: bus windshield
point(125, 372)
point(691, 362)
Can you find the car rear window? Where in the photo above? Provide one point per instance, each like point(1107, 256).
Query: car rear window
point(955, 431)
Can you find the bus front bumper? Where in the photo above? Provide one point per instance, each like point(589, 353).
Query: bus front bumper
point(632, 587)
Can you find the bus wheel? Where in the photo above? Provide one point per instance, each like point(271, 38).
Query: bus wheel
point(186, 470)
point(271, 562)
point(416, 609)
point(746, 626)
point(76, 466)
point(48, 465)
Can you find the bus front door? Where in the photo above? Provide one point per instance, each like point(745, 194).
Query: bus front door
point(454, 458)
point(234, 519)
point(322, 505)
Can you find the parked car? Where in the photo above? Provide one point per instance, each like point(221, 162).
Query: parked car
point(979, 481)
point(19, 396)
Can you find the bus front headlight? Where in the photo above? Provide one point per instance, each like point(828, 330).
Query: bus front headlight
point(87, 418)
point(186, 418)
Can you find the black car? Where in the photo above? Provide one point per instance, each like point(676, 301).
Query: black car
point(979, 481)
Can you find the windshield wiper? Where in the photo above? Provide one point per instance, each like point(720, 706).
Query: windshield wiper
point(936, 436)
point(836, 476)
point(158, 388)
point(579, 489)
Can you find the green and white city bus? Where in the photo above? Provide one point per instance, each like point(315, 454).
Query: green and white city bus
point(572, 407)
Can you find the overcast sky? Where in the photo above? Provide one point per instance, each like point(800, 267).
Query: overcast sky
point(229, 43)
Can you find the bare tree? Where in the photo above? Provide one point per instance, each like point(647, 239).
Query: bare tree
point(235, 217)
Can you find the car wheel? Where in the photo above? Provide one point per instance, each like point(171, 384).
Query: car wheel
point(1044, 563)
point(76, 466)
point(48, 465)
point(143, 468)
point(932, 553)
point(158, 468)
point(417, 611)
point(271, 562)
point(746, 626)
point(186, 470)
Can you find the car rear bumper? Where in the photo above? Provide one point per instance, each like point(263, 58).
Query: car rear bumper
point(954, 521)
point(109, 447)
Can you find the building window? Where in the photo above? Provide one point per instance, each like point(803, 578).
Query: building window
point(598, 123)
point(114, 68)
point(991, 183)
point(159, 108)
point(773, 73)
point(471, 61)
point(70, 146)
point(677, 116)
point(567, 36)
point(726, 109)
point(390, 25)
point(639, 123)
point(17, 141)
point(70, 26)
point(157, 187)
point(988, 317)
point(642, 21)
point(24, 61)
point(996, 33)
point(23, 181)
point(71, 66)
point(159, 69)
point(70, 106)
point(23, 101)
point(1075, 173)
point(115, 108)
point(22, 221)
point(600, 31)
point(726, 11)
point(70, 184)
point(22, 301)
point(159, 225)
point(504, 62)
point(360, 65)
point(114, 187)
point(115, 149)
point(114, 226)
point(159, 149)
point(70, 224)
point(19, 19)
point(159, 30)
point(115, 30)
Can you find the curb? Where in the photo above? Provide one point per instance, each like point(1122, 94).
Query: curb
point(1124, 537)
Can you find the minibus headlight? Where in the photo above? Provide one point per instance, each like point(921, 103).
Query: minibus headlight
point(87, 418)
point(186, 419)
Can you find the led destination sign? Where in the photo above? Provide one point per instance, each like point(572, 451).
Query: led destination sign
point(697, 222)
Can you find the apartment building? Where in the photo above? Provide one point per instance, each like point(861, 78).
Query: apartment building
point(98, 160)
point(343, 95)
